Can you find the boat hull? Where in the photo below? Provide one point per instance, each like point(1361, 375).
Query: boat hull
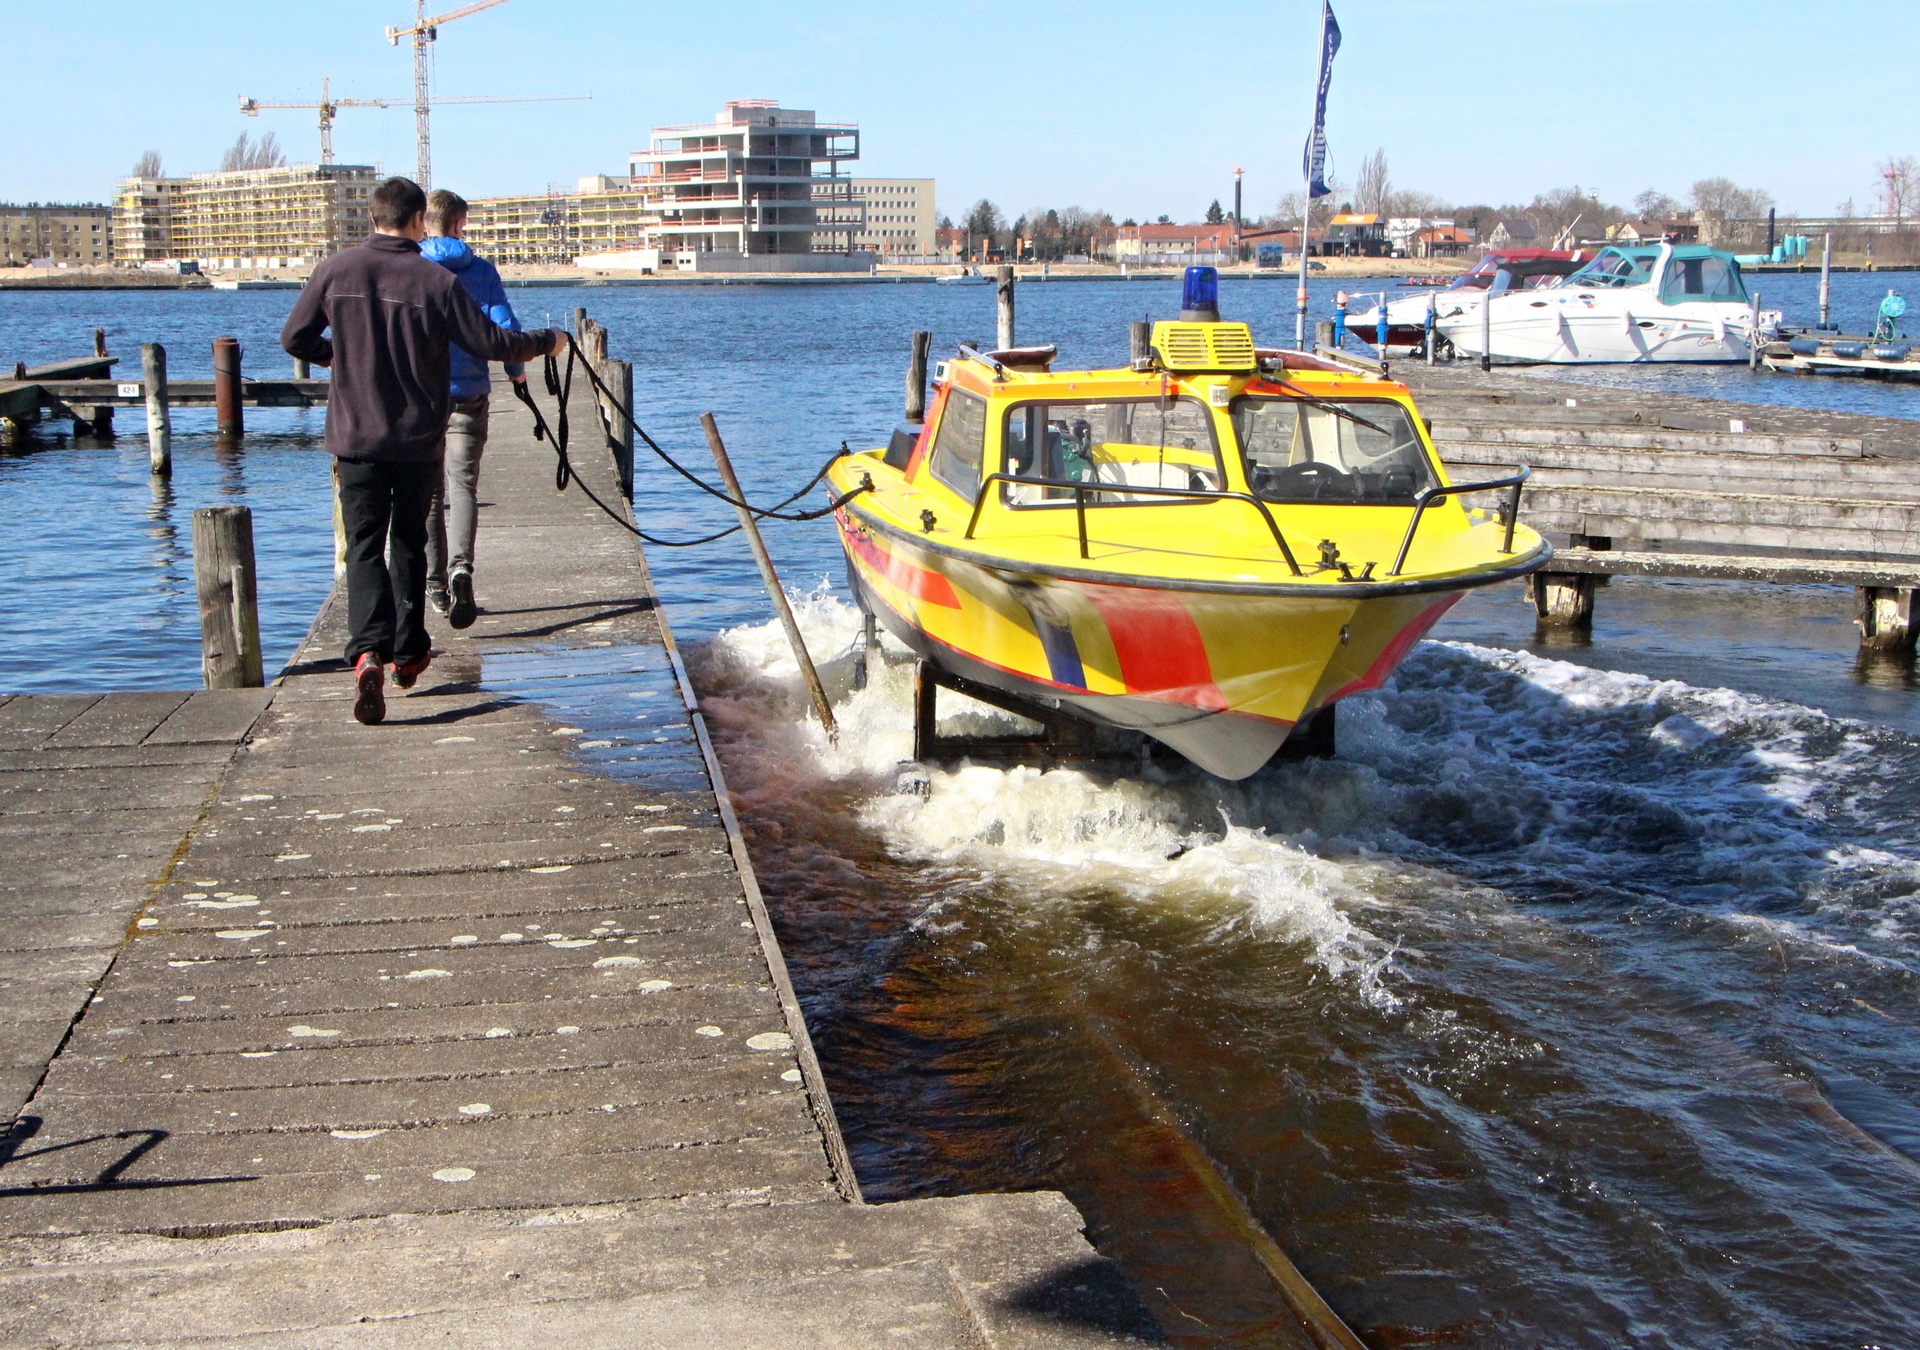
point(1220, 676)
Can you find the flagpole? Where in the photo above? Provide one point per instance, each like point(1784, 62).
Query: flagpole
point(1306, 193)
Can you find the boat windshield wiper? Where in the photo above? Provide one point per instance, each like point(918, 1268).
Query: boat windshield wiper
point(1337, 409)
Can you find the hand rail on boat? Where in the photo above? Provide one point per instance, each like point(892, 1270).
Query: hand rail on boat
point(1427, 496)
point(1080, 489)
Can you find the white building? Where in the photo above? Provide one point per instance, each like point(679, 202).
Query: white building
point(899, 216)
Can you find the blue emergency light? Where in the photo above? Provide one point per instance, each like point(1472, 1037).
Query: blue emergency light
point(1200, 296)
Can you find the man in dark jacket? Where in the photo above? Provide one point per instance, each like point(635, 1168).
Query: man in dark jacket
point(392, 315)
point(456, 505)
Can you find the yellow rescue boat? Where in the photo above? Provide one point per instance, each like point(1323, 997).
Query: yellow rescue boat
point(1212, 545)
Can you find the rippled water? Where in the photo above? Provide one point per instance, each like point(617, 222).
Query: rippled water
point(1573, 1004)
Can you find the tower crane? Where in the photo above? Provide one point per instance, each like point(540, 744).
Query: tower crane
point(423, 31)
point(252, 107)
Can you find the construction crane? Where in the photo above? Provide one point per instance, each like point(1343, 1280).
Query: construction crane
point(423, 31)
point(327, 106)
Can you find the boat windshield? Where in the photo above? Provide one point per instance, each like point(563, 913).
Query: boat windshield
point(1143, 442)
point(1708, 278)
point(1614, 268)
point(1328, 450)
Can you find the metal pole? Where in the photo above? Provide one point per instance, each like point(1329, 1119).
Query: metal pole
point(153, 381)
point(751, 528)
point(1826, 278)
point(1486, 330)
point(1306, 203)
point(1430, 333)
point(1004, 290)
point(1753, 332)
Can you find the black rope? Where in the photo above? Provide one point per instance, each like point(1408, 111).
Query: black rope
point(563, 471)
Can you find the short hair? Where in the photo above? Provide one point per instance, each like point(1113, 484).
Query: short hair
point(395, 202)
point(444, 208)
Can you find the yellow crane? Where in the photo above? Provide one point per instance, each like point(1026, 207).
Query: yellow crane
point(423, 31)
point(327, 107)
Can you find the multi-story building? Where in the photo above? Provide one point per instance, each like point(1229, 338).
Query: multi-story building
point(55, 235)
point(604, 215)
point(899, 220)
point(1175, 245)
point(284, 217)
point(743, 192)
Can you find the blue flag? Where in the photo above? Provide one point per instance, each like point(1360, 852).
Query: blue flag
point(1314, 162)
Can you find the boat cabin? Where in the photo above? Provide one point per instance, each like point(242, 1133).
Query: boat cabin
point(1521, 269)
point(1685, 273)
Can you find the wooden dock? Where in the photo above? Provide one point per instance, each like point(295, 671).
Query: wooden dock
point(1627, 483)
point(472, 1025)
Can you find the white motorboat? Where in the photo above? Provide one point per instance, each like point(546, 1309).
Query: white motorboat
point(1495, 274)
point(1657, 302)
point(966, 276)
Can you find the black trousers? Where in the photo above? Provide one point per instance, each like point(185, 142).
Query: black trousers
point(386, 606)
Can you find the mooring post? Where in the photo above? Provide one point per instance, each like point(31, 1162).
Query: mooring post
point(1826, 278)
point(1004, 290)
point(224, 579)
point(917, 376)
point(579, 320)
point(1753, 331)
point(153, 381)
point(619, 378)
point(99, 342)
point(301, 369)
point(228, 420)
point(1139, 343)
point(1486, 332)
point(1885, 615)
point(1431, 316)
point(751, 528)
point(1563, 599)
point(1324, 334)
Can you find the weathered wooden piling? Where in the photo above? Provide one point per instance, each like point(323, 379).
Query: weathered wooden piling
point(153, 383)
point(1003, 289)
point(1139, 342)
point(921, 344)
point(99, 342)
point(751, 528)
point(224, 579)
point(1885, 615)
point(228, 419)
point(1324, 333)
point(619, 378)
point(301, 369)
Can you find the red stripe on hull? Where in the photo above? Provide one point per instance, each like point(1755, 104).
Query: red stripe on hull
point(1160, 650)
point(902, 575)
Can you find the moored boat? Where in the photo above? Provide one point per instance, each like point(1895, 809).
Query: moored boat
point(1497, 273)
point(1212, 545)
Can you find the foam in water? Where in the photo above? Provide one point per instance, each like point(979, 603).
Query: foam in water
point(1532, 774)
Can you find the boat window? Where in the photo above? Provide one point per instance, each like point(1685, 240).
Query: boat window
point(1614, 268)
point(1143, 442)
point(1345, 450)
point(1473, 281)
point(1708, 278)
point(960, 443)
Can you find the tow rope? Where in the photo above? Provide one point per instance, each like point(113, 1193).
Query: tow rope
point(559, 434)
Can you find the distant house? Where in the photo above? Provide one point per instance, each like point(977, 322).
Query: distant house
point(1356, 234)
point(1515, 232)
point(1653, 231)
point(1440, 241)
point(1180, 245)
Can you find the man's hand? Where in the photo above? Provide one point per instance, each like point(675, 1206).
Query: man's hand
point(519, 379)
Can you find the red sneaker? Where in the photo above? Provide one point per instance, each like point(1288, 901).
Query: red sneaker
point(406, 672)
point(370, 695)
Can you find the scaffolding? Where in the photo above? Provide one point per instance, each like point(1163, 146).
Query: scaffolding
point(282, 217)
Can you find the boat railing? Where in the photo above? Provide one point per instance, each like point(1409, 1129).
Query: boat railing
point(1080, 489)
point(1428, 496)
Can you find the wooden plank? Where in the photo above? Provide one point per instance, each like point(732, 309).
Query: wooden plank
point(187, 393)
point(1734, 567)
point(118, 719)
point(29, 721)
point(19, 398)
point(1746, 520)
point(1876, 480)
point(80, 368)
point(212, 715)
point(1720, 442)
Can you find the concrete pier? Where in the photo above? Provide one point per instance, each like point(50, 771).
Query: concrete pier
point(469, 1025)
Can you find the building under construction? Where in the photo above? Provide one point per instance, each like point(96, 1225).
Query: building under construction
point(291, 216)
point(602, 215)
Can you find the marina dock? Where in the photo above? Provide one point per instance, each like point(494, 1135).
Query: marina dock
point(470, 1025)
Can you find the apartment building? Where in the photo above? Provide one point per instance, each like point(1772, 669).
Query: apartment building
point(745, 192)
point(898, 219)
point(602, 215)
point(248, 218)
point(53, 234)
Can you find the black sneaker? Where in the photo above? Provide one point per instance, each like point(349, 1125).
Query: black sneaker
point(440, 601)
point(462, 613)
point(369, 680)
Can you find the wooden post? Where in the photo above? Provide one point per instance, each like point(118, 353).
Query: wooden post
point(228, 420)
point(1139, 342)
point(223, 577)
point(619, 378)
point(1004, 289)
point(1563, 599)
point(751, 527)
point(1886, 618)
point(302, 370)
point(99, 342)
point(1323, 334)
point(153, 380)
point(1486, 331)
point(1753, 331)
point(579, 320)
point(917, 376)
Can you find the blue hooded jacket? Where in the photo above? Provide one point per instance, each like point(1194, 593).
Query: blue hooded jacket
point(481, 280)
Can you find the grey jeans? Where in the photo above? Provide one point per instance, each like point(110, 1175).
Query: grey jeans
point(454, 516)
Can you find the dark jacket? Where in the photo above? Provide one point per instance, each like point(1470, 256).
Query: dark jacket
point(482, 281)
point(393, 314)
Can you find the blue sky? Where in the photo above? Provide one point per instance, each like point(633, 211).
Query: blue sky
point(1140, 108)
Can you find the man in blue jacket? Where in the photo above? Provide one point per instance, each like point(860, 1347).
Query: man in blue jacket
point(455, 507)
